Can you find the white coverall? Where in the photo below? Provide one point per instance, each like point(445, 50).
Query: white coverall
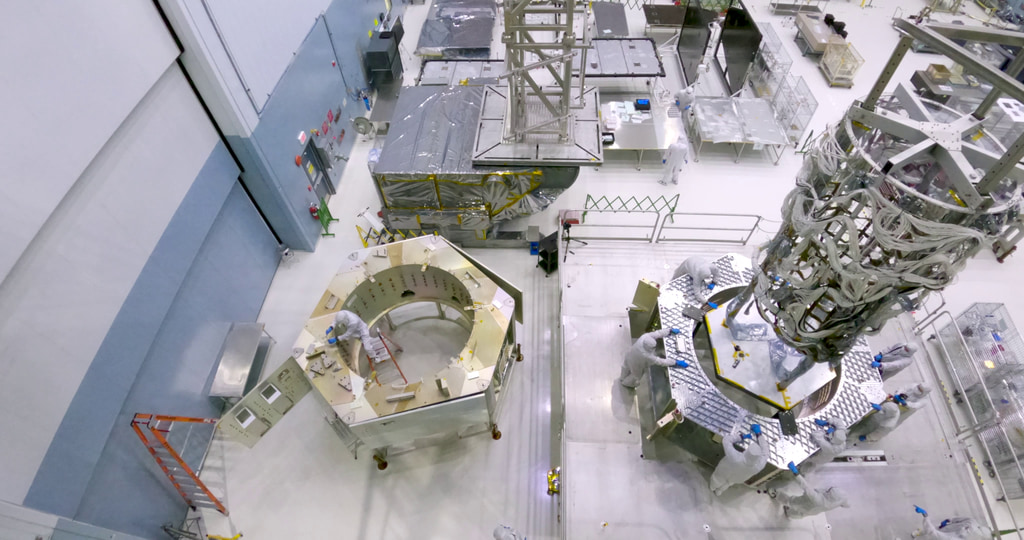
point(641, 356)
point(504, 532)
point(699, 269)
point(896, 359)
point(880, 423)
point(956, 529)
point(737, 466)
point(684, 98)
point(675, 157)
point(812, 501)
point(348, 325)
point(916, 395)
point(829, 449)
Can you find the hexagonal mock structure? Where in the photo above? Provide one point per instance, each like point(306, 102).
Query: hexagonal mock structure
point(461, 394)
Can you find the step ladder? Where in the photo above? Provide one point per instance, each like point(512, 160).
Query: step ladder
point(153, 431)
point(377, 351)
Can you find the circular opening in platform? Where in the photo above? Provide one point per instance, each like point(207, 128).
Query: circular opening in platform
point(424, 337)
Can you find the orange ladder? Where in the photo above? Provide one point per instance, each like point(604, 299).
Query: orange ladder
point(184, 479)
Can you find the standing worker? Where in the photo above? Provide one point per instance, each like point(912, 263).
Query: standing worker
point(812, 501)
point(675, 157)
point(739, 464)
point(958, 528)
point(894, 359)
point(831, 442)
point(881, 422)
point(642, 356)
point(702, 272)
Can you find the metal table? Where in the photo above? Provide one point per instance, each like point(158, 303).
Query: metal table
point(812, 34)
point(739, 122)
point(654, 132)
point(241, 362)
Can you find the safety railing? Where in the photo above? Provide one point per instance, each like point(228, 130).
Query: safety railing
point(632, 204)
point(700, 227)
point(629, 225)
point(930, 313)
point(975, 423)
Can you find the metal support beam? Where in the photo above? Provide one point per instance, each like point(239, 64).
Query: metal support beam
point(890, 69)
point(977, 33)
point(986, 104)
point(1008, 85)
point(1003, 167)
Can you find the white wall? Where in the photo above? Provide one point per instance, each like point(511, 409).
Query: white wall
point(61, 298)
point(261, 37)
point(70, 73)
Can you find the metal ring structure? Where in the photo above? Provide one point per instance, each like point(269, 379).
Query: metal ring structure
point(704, 404)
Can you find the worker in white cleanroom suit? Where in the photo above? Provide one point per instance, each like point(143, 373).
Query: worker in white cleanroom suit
point(348, 325)
point(677, 155)
point(739, 465)
point(642, 356)
point(894, 359)
point(831, 442)
point(684, 98)
point(703, 273)
point(812, 501)
point(958, 528)
point(504, 532)
point(913, 396)
point(880, 423)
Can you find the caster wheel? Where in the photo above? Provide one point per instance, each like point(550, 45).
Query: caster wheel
point(495, 434)
point(551, 492)
point(381, 465)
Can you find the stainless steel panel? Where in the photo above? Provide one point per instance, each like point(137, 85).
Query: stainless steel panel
point(236, 359)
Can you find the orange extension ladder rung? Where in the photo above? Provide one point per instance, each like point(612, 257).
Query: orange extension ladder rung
point(185, 481)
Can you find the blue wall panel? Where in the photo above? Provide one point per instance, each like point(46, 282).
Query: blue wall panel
point(228, 281)
point(326, 73)
point(69, 463)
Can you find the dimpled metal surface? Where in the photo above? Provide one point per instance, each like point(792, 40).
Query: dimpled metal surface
point(859, 385)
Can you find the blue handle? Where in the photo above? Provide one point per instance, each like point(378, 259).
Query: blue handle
point(792, 467)
point(329, 330)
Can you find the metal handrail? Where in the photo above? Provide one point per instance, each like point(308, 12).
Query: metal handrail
point(749, 231)
point(930, 315)
point(583, 225)
point(974, 416)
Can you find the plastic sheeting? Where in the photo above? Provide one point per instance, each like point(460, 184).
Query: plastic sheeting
point(458, 29)
point(425, 174)
point(737, 120)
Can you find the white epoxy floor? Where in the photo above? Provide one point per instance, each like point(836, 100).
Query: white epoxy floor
point(300, 482)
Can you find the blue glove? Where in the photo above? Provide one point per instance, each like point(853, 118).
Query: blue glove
point(332, 340)
point(820, 422)
point(878, 357)
point(755, 429)
point(900, 400)
point(876, 406)
point(746, 436)
point(663, 161)
point(830, 430)
point(792, 467)
point(682, 364)
point(713, 305)
point(862, 438)
point(673, 331)
point(876, 364)
point(920, 510)
point(329, 330)
point(711, 286)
